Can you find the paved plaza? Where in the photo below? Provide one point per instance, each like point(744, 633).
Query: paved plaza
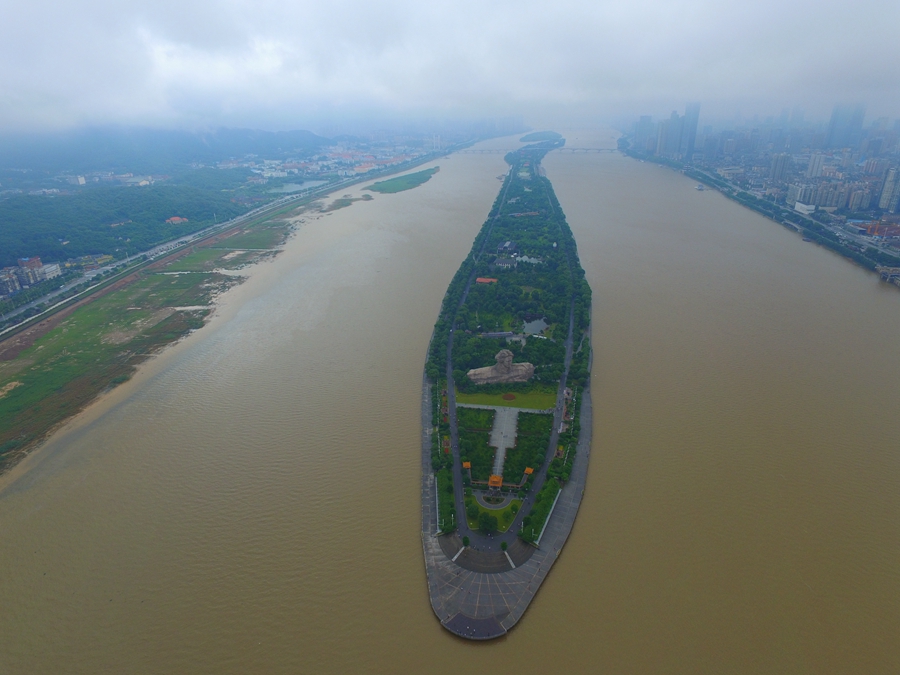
point(503, 433)
point(481, 605)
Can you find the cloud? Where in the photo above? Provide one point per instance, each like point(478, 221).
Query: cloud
point(278, 64)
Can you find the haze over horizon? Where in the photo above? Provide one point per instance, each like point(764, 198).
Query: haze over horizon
point(275, 65)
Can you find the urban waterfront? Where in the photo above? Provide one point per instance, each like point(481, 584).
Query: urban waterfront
point(250, 501)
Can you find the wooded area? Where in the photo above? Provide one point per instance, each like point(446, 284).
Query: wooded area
point(112, 220)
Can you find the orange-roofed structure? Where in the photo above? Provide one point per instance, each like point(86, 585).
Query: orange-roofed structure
point(529, 470)
point(176, 219)
point(485, 280)
point(495, 481)
point(467, 465)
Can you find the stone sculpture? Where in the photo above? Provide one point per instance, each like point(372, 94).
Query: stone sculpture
point(503, 371)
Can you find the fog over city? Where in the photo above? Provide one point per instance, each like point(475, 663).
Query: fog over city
point(278, 65)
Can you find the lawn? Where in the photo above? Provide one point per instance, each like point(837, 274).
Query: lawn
point(504, 516)
point(474, 447)
point(201, 260)
point(401, 183)
point(532, 437)
point(538, 399)
point(268, 236)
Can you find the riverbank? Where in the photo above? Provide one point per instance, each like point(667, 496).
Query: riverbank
point(869, 257)
point(50, 372)
point(53, 369)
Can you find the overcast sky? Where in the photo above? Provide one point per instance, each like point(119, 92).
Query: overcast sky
point(284, 65)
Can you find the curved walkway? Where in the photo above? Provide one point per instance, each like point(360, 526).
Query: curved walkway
point(471, 599)
point(479, 497)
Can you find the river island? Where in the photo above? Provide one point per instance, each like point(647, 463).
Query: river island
point(506, 408)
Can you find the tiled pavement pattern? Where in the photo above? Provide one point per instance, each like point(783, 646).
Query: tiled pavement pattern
point(485, 561)
point(478, 605)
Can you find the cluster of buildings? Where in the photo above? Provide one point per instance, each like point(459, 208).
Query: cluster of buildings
point(343, 160)
point(27, 273)
point(843, 171)
point(31, 271)
point(105, 177)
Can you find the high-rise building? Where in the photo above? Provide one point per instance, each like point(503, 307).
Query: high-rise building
point(876, 167)
point(890, 191)
point(780, 166)
point(643, 133)
point(845, 127)
point(668, 139)
point(710, 147)
point(800, 193)
point(816, 163)
point(689, 130)
point(860, 200)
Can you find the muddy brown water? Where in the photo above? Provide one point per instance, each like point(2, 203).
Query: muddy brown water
point(250, 501)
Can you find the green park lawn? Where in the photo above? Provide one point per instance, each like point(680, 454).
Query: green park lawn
point(504, 516)
point(538, 399)
point(401, 183)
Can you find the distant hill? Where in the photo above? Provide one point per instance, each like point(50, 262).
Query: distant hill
point(147, 150)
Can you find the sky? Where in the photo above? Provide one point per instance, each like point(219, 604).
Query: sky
point(298, 64)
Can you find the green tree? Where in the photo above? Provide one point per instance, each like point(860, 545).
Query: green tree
point(487, 523)
point(472, 510)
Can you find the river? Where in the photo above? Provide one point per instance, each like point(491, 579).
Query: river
point(249, 502)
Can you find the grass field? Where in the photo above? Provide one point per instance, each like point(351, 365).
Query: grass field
point(200, 260)
point(265, 236)
point(401, 183)
point(533, 400)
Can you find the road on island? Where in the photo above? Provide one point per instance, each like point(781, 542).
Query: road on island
point(480, 541)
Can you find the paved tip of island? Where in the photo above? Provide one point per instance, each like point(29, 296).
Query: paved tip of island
point(504, 469)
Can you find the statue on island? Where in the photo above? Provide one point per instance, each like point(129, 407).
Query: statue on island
point(503, 371)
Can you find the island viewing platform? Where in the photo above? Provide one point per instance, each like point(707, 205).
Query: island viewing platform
point(504, 468)
point(480, 594)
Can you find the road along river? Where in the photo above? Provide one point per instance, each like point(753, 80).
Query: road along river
point(250, 501)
